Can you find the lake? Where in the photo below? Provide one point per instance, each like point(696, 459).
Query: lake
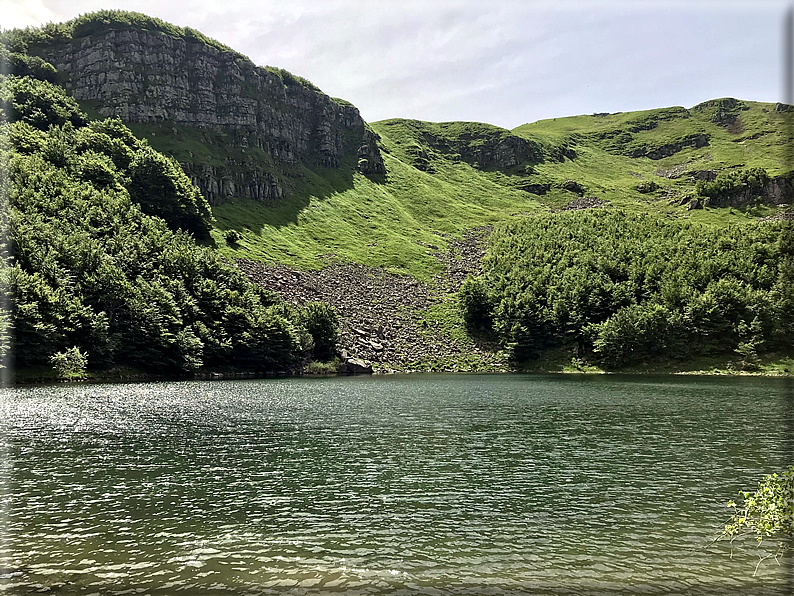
point(405, 484)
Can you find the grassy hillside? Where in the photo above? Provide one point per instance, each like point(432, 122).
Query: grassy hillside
point(444, 178)
point(396, 223)
point(720, 165)
point(435, 183)
point(614, 148)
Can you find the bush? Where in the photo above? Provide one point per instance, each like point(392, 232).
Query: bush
point(70, 364)
point(475, 304)
point(731, 181)
point(767, 513)
point(160, 186)
point(39, 103)
point(232, 237)
point(92, 269)
point(321, 322)
point(634, 287)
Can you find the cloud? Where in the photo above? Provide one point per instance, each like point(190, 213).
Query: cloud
point(505, 62)
point(25, 13)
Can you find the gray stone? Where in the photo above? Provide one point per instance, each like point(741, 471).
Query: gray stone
point(151, 77)
point(357, 366)
point(705, 175)
point(573, 186)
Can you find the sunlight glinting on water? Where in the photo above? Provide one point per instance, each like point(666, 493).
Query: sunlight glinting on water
point(434, 484)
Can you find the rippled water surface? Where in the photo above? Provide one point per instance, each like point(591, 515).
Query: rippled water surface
point(437, 484)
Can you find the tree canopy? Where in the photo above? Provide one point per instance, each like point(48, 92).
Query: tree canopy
point(103, 258)
point(627, 288)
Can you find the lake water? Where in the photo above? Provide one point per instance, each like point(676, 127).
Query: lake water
point(425, 484)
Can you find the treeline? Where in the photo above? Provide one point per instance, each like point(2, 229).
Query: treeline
point(24, 40)
point(627, 289)
point(102, 255)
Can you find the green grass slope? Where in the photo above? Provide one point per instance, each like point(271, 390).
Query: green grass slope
point(443, 178)
point(618, 152)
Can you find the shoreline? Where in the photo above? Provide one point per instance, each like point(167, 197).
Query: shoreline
point(31, 379)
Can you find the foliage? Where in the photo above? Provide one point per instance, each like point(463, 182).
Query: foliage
point(631, 288)
point(290, 79)
point(751, 179)
point(21, 64)
point(94, 276)
point(766, 513)
point(38, 103)
point(320, 320)
point(160, 187)
point(104, 153)
point(232, 237)
point(329, 367)
point(475, 304)
point(70, 364)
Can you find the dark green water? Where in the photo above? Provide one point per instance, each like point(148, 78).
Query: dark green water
point(436, 484)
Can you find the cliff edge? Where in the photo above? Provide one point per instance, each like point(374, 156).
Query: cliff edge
point(266, 121)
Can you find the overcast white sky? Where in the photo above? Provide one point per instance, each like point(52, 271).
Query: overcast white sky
point(505, 62)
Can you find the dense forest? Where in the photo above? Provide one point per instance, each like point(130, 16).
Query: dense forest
point(626, 289)
point(103, 268)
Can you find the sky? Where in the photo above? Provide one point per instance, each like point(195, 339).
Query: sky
point(505, 62)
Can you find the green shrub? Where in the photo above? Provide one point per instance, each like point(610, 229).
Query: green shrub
point(70, 364)
point(321, 322)
point(39, 103)
point(160, 186)
point(633, 287)
point(766, 513)
point(475, 304)
point(92, 269)
point(329, 367)
point(232, 237)
point(731, 181)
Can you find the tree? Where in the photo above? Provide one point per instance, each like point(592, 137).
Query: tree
point(160, 186)
point(70, 364)
point(475, 304)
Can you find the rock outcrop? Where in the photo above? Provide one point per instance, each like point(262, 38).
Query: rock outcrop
point(144, 76)
point(370, 161)
point(776, 191)
point(499, 151)
point(218, 183)
point(695, 141)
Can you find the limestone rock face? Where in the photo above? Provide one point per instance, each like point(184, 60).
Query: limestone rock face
point(151, 77)
point(493, 150)
point(370, 160)
point(217, 183)
point(776, 191)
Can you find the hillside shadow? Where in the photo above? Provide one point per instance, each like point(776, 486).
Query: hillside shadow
point(302, 184)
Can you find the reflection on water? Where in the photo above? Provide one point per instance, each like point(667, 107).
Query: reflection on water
point(393, 485)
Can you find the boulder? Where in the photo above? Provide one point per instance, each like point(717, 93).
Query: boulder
point(706, 175)
point(357, 366)
point(573, 186)
point(646, 187)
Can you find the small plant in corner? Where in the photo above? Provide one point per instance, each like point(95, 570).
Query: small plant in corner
point(766, 514)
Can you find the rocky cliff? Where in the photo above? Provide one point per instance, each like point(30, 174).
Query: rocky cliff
point(150, 76)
